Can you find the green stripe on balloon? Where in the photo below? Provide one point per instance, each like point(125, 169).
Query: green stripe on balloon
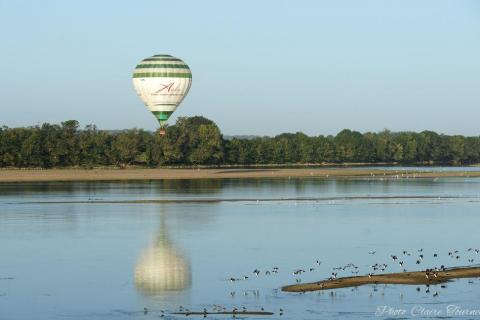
point(161, 74)
point(162, 115)
point(162, 59)
point(173, 66)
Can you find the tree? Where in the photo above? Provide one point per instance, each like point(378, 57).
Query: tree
point(68, 144)
point(208, 145)
point(94, 147)
point(324, 149)
point(198, 141)
point(349, 146)
point(125, 147)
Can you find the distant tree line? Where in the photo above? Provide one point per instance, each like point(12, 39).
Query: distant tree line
point(198, 141)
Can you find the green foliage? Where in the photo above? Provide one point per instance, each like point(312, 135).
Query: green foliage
point(194, 140)
point(198, 141)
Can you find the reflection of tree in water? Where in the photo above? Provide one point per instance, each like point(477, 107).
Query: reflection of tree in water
point(191, 186)
point(162, 267)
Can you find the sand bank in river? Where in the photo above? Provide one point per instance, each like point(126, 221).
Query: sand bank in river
point(412, 278)
point(26, 175)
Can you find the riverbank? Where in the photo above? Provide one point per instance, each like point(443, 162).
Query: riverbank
point(410, 278)
point(32, 175)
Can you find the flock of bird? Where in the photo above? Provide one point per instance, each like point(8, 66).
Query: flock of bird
point(215, 309)
point(414, 259)
point(404, 259)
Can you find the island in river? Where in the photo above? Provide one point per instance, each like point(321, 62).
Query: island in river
point(39, 175)
point(410, 278)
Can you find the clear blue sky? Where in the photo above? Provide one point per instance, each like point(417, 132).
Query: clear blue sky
point(259, 67)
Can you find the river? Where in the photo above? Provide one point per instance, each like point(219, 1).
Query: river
point(145, 249)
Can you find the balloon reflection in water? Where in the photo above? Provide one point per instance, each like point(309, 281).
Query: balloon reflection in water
point(162, 268)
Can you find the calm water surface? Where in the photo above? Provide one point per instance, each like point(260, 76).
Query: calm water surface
point(87, 251)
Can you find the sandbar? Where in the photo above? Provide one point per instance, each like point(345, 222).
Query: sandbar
point(407, 278)
point(39, 175)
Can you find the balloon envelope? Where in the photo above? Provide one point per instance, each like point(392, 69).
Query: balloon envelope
point(162, 82)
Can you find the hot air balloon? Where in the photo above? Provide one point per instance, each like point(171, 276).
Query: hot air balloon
point(162, 82)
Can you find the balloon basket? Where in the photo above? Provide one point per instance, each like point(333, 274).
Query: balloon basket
point(162, 132)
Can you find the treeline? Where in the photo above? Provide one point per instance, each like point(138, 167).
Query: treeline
point(198, 141)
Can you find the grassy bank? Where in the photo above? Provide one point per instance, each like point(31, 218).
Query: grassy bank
point(25, 175)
